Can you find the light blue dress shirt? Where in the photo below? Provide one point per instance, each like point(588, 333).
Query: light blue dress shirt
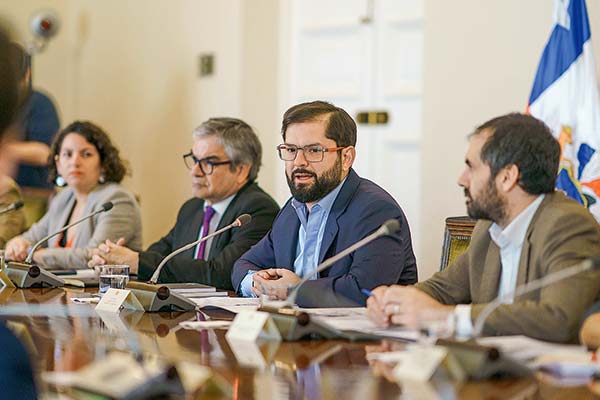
point(310, 236)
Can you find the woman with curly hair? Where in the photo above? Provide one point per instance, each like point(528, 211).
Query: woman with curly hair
point(85, 160)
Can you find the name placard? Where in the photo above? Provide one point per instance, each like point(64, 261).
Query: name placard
point(114, 300)
point(252, 325)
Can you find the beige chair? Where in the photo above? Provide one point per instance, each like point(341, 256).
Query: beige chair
point(457, 237)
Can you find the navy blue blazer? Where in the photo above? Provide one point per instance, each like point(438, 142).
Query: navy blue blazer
point(359, 209)
point(225, 248)
point(16, 380)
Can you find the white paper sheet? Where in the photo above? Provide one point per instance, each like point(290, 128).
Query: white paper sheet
point(233, 304)
point(525, 348)
point(355, 319)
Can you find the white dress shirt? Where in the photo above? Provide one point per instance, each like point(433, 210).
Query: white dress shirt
point(510, 241)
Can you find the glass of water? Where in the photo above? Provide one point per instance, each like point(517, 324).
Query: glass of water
point(113, 276)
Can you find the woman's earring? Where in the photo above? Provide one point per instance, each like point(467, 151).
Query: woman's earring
point(102, 179)
point(60, 181)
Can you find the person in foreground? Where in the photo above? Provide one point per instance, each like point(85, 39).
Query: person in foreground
point(89, 164)
point(526, 230)
point(16, 380)
point(331, 208)
point(223, 164)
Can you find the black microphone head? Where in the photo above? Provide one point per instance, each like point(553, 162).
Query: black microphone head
point(18, 204)
point(243, 219)
point(390, 226)
point(107, 206)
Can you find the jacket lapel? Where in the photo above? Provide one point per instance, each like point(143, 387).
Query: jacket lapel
point(289, 226)
point(523, 275)
point(490, 275)
point(339, 206)
point(193, 228)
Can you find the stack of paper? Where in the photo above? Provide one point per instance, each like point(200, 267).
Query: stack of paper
point(192, 290)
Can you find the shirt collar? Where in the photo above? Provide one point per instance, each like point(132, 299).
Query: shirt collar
point(220, 206)
point(514, 233)
point(326, 203)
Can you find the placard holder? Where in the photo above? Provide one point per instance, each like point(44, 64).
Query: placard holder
point(31, 276)
point(296, 325)
point(156, 298)
point(483, 362)
point(120, 376)
point(4, 279)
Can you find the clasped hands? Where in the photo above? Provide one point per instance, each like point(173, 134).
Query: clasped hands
point(400, 305)
point(114, 253)
point(274, 282)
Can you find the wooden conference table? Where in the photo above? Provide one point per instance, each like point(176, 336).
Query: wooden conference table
point(300, 370)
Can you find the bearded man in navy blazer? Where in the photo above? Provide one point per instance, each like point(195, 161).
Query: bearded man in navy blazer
point(331, 208)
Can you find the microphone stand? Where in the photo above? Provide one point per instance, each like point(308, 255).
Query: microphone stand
point(481, 361)
point(294, 325)
point(154, 297)
point(26, 275)
point(583, 266)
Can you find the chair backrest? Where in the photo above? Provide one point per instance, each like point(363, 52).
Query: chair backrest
point(457, 236)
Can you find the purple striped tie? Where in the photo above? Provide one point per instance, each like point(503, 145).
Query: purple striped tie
point(208, 214)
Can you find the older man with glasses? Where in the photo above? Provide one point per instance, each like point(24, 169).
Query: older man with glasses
point(331, 208)
point(223, 164)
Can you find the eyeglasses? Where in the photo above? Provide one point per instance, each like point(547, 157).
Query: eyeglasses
point(206, 165)
point(312, 153)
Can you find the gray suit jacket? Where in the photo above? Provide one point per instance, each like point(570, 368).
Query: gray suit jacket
point(123, 220)
point(561, 234)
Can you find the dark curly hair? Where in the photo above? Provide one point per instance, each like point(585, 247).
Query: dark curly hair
point(113, 167)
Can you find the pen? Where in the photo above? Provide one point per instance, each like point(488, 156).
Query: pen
point(366, 292)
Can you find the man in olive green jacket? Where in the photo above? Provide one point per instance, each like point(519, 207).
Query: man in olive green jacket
point(525, 231)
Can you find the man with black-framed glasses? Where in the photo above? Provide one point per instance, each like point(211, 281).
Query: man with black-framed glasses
point(331, 208)
point(223, 164)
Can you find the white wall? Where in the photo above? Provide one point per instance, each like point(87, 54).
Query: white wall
point(131, 66)
point(480, 62)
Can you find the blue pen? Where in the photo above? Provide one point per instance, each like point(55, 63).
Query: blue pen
point(366, 292)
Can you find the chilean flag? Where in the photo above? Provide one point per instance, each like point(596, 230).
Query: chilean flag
point(565, 97)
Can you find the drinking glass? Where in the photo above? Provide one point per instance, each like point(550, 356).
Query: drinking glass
point(113, 276)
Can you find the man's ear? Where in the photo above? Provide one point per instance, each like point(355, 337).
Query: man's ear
point(348, 157)
point(242, 173)
point(508, 178)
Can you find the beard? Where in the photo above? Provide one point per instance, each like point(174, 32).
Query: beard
point(308, 193)
point(489, 205)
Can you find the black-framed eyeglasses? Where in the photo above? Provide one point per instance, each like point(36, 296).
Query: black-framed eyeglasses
point(206, 165)
point(312, 153)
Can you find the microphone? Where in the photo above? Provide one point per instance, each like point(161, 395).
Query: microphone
point(25, 275)
point(12, 207)
point(586, 265)
point(105, 207)
point(155, 297)
point(389, 227)
point(241, 220)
